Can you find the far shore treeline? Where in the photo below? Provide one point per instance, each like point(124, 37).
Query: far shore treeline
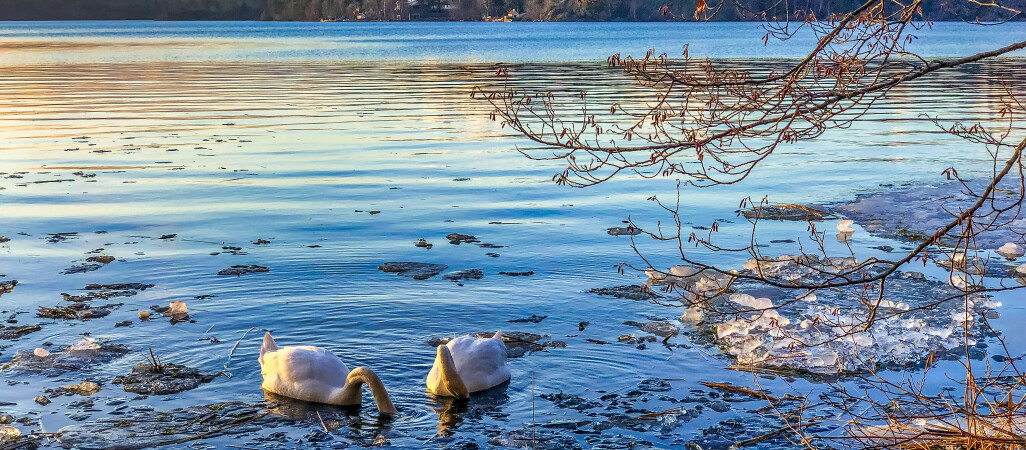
point(313, 10)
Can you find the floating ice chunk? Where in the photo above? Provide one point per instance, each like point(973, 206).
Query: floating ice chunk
point(41, 352)
point(893, 306)
point(1011, 250)
point(957, 259)
point(991, 304)
point(751, 264)
point(810, 297)
point(845, 226)
point(824, 360)
point(958, 281)
point(710, 284)
point(85, 345)
point(730, 328)
point(861, 340)
point(683, 271)
point(961, 317)
point(942, 333)
point(751, 302)
point(769, 319)
point(655, 275)
point(691, 315)
point(1021, 270)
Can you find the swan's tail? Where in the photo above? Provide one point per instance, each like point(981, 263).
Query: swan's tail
point(268, 346)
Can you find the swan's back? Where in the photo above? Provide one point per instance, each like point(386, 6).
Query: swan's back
point(480, 362)
point(305, 372)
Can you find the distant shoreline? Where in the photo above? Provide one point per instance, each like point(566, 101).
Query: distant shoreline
point(423, 21)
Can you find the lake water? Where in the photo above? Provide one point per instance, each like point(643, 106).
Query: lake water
point(225, 133)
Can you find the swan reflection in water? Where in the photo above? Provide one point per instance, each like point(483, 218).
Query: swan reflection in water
point(453, 411)
point(332, 417)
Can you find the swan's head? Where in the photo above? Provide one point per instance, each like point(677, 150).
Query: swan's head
point(451, 382)
point(362, 375)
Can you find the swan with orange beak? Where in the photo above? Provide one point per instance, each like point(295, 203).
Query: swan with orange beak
point(468, 364)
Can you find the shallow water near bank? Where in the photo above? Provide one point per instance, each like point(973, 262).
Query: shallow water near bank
point(183, 160)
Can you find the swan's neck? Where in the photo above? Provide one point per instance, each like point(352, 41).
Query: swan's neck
point(447, 374)
point(351, 393)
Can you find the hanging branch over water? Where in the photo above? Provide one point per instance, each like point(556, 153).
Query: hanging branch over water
point(713, 125)
point(710, 125)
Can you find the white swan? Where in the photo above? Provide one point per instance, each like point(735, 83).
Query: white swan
point(468, 364)
point(315, 374)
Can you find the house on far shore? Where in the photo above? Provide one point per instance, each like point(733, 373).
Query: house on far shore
point(510, 16)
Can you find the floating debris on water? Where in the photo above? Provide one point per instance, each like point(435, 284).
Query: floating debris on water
point(79, 310)
point(240, 270)
point(102, 259)
point(458, 238)
point(81, 268)
point(148, 378)
point(121, 287)
point(7, 287)
point(532, 319)
point(15, 332)
point(85, 388)
point(624, 231)
point(630, 292)
point(460, 275)
point(415, 270)
point(661, 329)
point(518, 274)
point(423, 244)
point(54, 238)
point(788, 212)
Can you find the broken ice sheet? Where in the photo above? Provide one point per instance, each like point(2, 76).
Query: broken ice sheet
point(792, 330)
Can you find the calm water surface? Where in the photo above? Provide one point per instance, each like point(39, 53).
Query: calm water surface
point(225, 133)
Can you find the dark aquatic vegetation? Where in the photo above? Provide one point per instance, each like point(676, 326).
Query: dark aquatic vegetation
point(243, 270)
point(415, 270)
point(150, 378)
point(459, 238)
point(624, 231)
point(103, 259)
point(800, 213)
point(631, 291)
point(517, 274)
point(533, 319)
point(461, 275)
point(14, 332)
